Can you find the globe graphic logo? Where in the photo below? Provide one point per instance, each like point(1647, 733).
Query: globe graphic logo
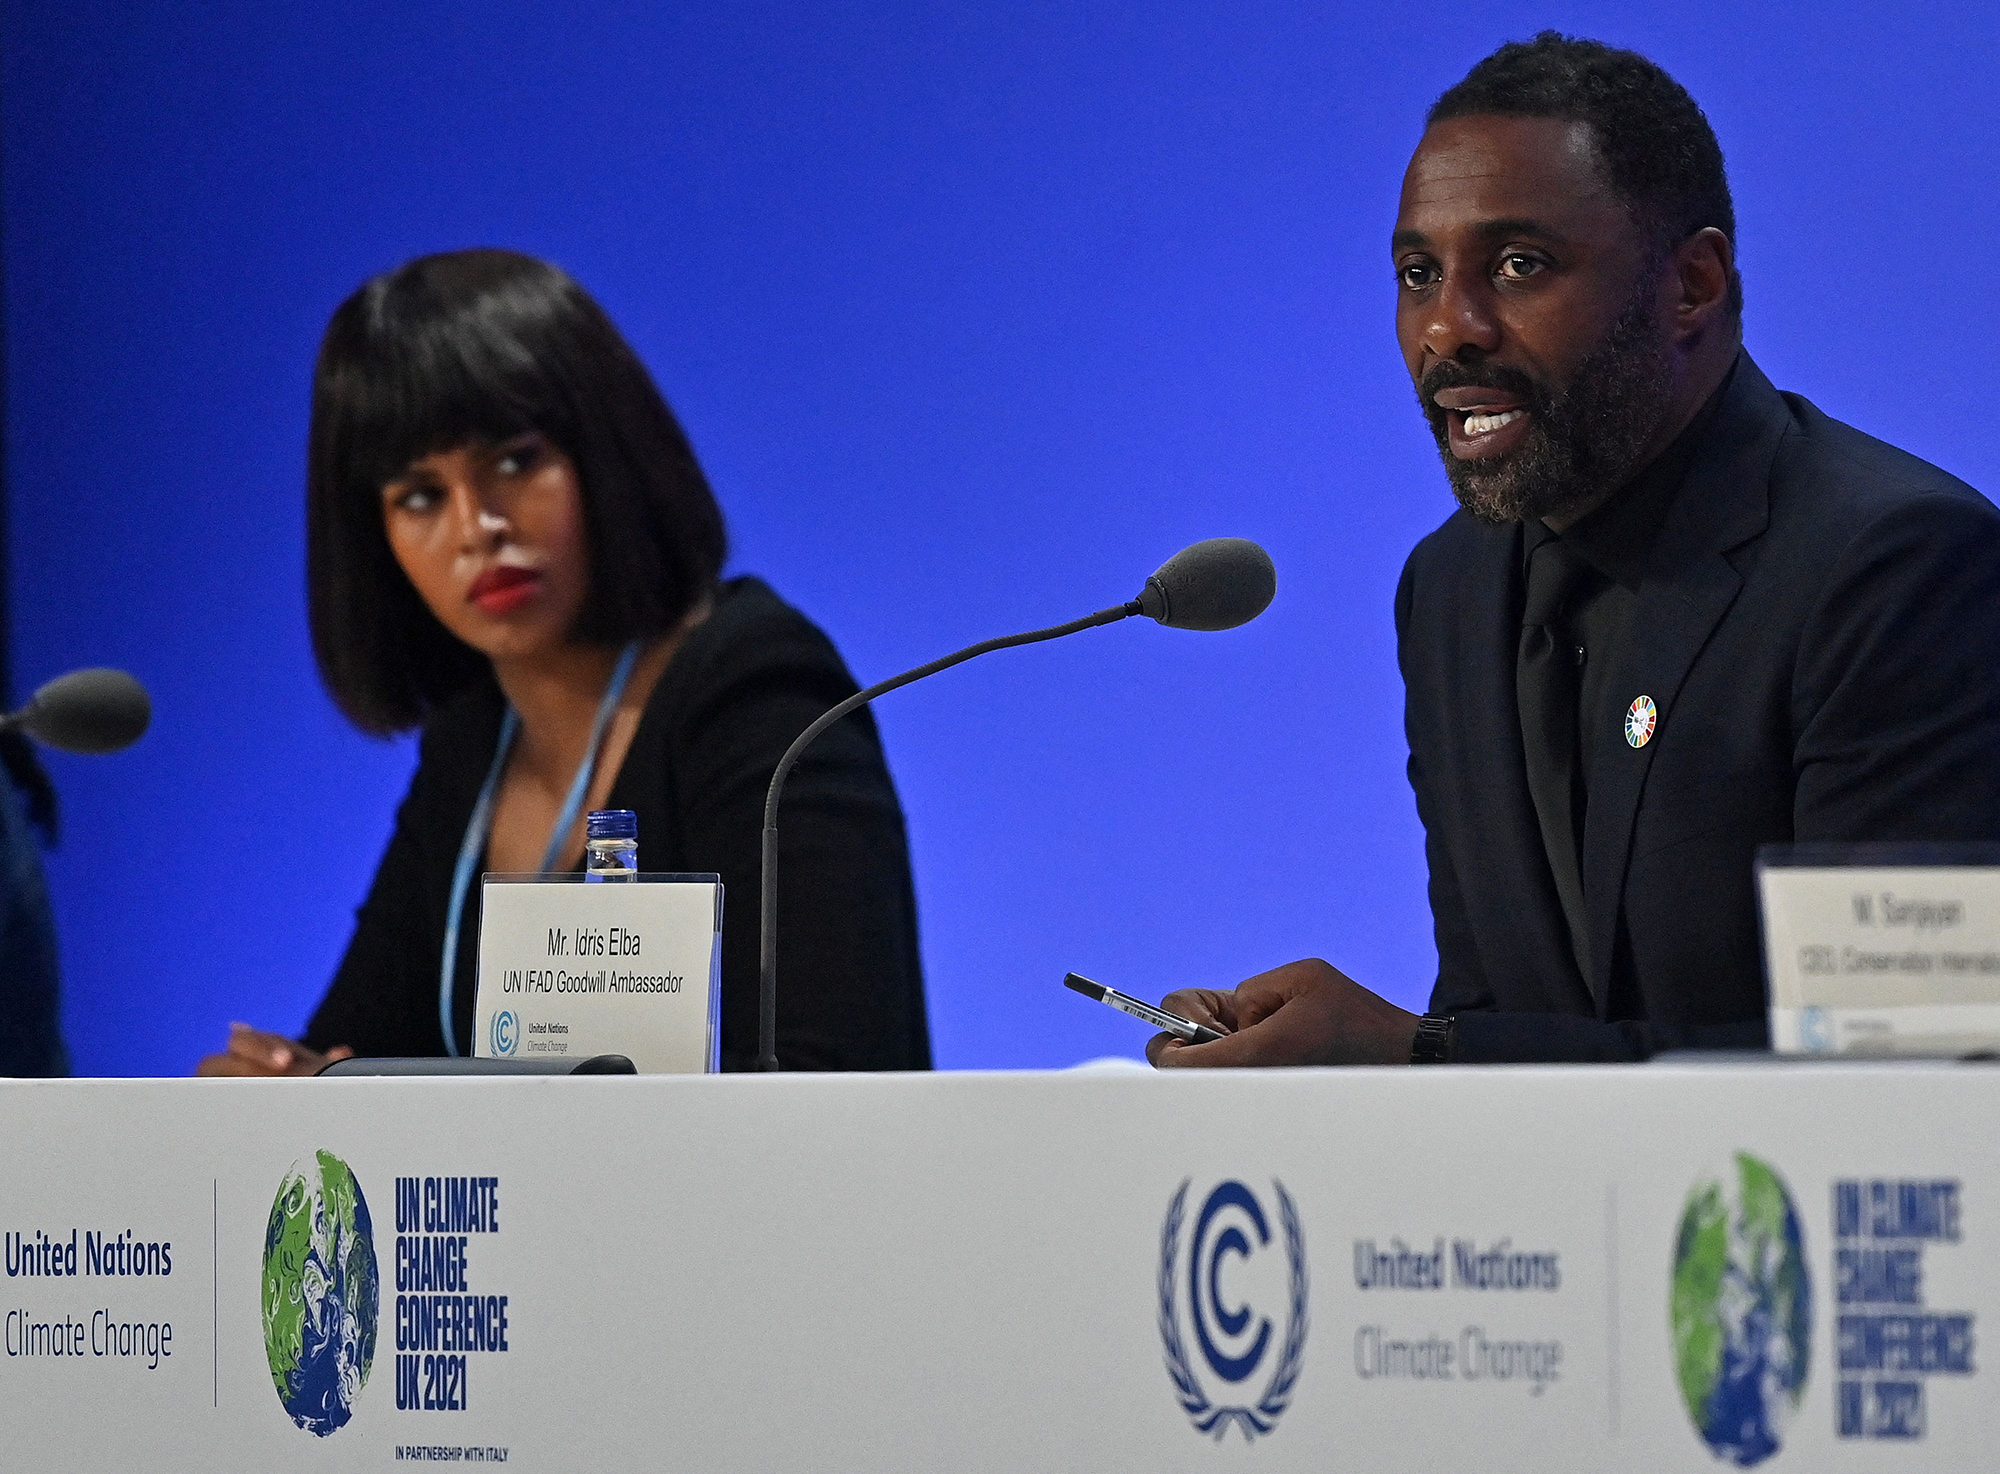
point(1742, 1311)
point(321, 1292)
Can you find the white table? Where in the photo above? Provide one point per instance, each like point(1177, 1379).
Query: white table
point(966, 1271)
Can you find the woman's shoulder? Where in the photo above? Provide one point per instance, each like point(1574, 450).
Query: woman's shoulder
point(751, 632)
point(754, 670)
point(458, 735)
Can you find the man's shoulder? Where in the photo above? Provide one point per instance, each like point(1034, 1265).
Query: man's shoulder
point(1458, 547)
point(1462, 538)
point(1830, 480)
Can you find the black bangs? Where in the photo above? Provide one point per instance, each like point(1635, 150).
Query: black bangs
point(447, 351)
point(481, 346)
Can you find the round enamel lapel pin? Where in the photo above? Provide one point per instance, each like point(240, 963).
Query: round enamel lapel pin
point(1640, 719)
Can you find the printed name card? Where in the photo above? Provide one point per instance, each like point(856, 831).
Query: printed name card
point(1866, 956)
point(570, 968)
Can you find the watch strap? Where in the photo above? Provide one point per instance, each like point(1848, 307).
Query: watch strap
point(1432, 1046)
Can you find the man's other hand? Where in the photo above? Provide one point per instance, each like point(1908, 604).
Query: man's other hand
point(1304, 1013)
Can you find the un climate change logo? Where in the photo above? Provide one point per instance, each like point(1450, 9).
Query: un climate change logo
point(506, 1032)
point(321, 1293)
point(1742, 1311)
point(1231, 1237)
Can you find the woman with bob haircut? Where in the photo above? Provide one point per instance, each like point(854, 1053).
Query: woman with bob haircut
point(510, 545)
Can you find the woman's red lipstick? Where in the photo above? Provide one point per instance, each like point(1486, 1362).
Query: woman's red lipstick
point(503, 589)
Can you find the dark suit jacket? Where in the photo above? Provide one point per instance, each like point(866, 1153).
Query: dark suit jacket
point(1820, 631)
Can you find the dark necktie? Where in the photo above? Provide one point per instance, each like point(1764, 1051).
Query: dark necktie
point(1546, 680)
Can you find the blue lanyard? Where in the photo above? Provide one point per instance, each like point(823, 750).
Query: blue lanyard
point(481, 823)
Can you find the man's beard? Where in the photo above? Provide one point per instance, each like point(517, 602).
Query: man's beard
point(1584, 439)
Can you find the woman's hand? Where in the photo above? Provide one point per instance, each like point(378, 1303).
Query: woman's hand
point(254, 1052)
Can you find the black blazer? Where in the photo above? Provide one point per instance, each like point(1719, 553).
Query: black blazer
point(1820, 632)
point(746, 681)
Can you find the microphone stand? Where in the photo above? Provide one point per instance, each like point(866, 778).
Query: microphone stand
point(767, 943)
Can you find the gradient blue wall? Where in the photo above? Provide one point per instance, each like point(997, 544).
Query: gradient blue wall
point(974, 314)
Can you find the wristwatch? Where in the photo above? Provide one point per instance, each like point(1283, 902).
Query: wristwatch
point(1432, 1046)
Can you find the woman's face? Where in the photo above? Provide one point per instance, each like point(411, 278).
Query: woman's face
point(492, 539)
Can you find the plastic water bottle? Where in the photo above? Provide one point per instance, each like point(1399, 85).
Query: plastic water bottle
point(611, 845)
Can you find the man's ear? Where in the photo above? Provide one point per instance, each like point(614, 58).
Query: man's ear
point(1703, 266)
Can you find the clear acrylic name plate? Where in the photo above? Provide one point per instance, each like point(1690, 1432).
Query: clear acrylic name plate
point(570, 967)
point(1876, 949)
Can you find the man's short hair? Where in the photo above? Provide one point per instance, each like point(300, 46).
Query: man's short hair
point(1659, 153)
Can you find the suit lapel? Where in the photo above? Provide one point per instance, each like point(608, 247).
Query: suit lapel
point(1724, 503)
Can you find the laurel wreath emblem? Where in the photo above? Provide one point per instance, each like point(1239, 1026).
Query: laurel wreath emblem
point(1204, 1414)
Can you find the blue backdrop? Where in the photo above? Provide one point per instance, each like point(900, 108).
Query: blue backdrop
point(974, 314)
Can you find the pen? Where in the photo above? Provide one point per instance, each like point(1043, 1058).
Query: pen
point(1186, 1030)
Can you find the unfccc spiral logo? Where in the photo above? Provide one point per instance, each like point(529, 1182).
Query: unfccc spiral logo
point(1232, 1267)
point(506, 1032)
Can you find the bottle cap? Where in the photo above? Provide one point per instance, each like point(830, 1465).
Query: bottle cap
point(612, 824)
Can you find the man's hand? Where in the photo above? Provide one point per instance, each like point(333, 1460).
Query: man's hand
point(1304, 1013)
point(254, 1052)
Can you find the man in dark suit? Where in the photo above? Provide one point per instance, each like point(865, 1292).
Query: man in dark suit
point(1678, 615)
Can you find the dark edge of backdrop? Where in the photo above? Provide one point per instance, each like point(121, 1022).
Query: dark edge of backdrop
point(6, 583)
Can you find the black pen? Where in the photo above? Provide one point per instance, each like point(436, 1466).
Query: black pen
point(1184, 1029)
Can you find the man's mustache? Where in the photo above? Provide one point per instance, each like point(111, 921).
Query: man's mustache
point(1448, 375)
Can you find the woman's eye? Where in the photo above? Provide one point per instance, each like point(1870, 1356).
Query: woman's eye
point(413, 499)
point(516, 460)
point(1518, 268)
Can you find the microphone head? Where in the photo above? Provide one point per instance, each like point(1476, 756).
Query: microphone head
point(88, 711)
point(1212, 585)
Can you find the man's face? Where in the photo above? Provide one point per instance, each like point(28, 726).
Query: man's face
point(1532, 316)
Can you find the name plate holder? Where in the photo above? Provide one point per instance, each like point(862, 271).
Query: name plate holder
point(571, 966)
point(1882, 949)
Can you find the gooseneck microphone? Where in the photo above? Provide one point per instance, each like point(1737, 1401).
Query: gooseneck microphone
point(1212, 585)
point(88, 711)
